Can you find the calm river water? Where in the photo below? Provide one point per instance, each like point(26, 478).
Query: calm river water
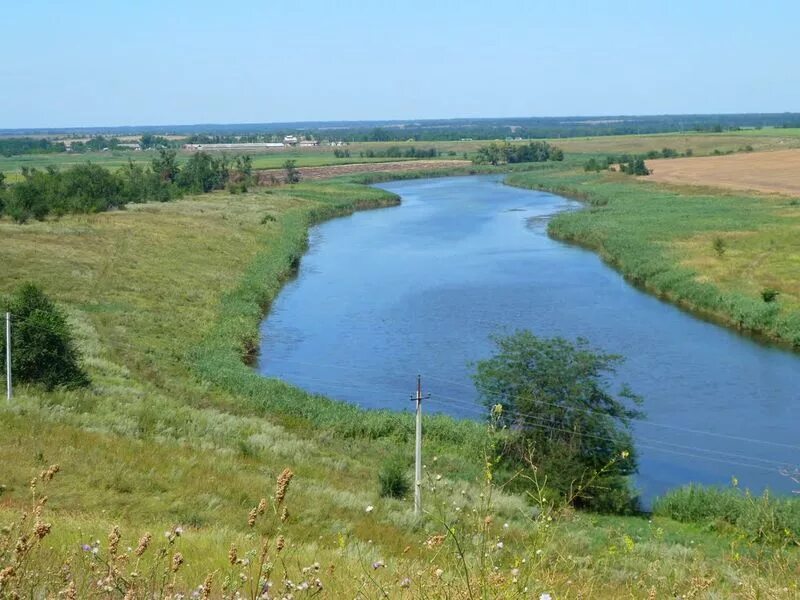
point(383, 295)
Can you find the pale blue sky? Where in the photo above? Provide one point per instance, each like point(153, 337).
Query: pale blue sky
point(135, 62)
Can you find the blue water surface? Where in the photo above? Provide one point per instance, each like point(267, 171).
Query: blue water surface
point(419, 288)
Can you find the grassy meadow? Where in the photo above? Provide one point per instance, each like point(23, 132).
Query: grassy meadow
point(177, 430)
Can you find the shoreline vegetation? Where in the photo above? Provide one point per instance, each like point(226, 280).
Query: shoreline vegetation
point(657, 236)
point(179, 431)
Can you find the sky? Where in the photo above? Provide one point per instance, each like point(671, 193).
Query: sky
point(73, 63)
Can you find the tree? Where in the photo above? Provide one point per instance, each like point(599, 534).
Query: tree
point(166, 165)
point(292, 173)
point(635, 166)
point(561, 418)
point(203, 173)
point(41, 342)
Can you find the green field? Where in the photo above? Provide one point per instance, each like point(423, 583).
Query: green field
point(177, 430)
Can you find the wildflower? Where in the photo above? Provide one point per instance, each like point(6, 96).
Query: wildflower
point(177, 561)
point(6, 574)
point(545, 596)
point(232, 556)
point(280, 543)
point(438, 477)
point(438, 572)
point(86, 548)
point(405, 583)
point(284, 515)
point(205, 592)
point(625, 454)
point(505, 525)
point(318, 583)
point(499, 545)
point(283, 484)
point(262, 506)
point(144, 542)
point(50, 473)
point(370, 508)
point(41, 529)
point(113, 540)
point(378, 564)
point(435, 540)
point(251, 518)
point(71, 593)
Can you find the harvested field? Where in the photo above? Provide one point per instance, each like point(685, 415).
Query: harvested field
point(308, 173)
point(770, 172)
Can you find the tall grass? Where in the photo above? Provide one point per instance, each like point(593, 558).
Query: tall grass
point(764, 518)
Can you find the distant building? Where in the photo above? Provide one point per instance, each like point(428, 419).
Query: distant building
point(233, 146)
point(290, 140)
point(308, 143)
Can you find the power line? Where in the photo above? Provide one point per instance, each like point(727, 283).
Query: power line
point(538, 421)
point(643, 421)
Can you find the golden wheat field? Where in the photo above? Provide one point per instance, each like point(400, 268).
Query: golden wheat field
point(770, 172)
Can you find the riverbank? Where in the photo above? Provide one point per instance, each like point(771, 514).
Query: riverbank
point(177, 430)
point(665, 240)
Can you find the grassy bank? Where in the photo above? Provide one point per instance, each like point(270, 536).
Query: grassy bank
point(664, 239)
point(177, 430)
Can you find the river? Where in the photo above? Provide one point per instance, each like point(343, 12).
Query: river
point(419, 288)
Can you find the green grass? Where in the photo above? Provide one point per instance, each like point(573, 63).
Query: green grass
point(661, 238)
point(764, 518)
point(166, 300)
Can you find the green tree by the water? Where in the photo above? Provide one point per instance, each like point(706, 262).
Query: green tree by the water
point(561, 418)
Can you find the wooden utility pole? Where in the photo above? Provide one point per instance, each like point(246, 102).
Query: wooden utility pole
point(8, 357)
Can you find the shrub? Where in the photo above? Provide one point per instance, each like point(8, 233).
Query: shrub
point(769, 295)
point(41, 342)
point(719, 246)
point(292, 173)
point(393, 479)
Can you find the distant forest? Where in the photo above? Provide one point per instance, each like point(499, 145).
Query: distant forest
point(415, 130)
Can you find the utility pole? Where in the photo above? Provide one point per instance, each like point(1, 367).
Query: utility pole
point(8, 356)
point(418, 449)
